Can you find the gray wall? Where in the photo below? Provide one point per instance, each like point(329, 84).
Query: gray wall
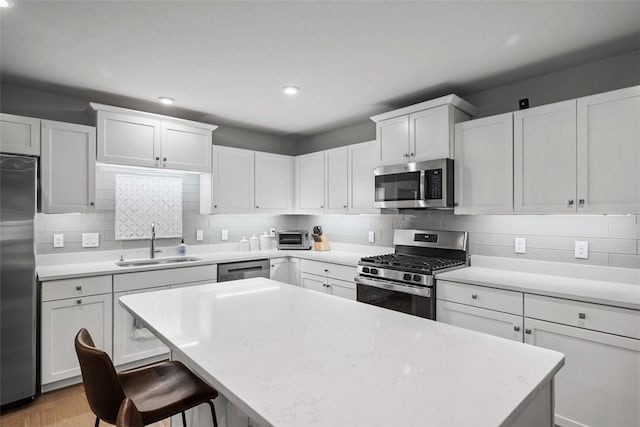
point(607, 74)
point(72, 105)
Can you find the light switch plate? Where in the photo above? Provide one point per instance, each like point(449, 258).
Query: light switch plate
point(90, 240)
point(199, 235)
point(372, 236)
point(224, 235)
point(582, 249)
point(520, 245)
point(58, 240)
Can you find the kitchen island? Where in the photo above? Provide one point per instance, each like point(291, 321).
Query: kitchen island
point(287, 356)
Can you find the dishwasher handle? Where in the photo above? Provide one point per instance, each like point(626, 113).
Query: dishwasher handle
point(243, 270)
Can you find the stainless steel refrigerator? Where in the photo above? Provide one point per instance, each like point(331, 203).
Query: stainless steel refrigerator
point(18, 299)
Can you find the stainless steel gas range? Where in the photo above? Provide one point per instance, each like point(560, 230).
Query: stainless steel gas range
point(403, 281)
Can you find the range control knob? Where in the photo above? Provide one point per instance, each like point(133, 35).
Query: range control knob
point(365, 269)
point(374, 271)
point(417, 278)
point(407, 277)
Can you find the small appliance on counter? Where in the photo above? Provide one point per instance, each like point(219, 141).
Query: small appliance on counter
point(294, 239)
point(403, 281)
point(320, 242)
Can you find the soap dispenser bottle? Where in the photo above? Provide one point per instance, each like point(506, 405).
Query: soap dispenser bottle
point(182, 248)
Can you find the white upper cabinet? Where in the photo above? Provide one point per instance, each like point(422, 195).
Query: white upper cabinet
point(273, 183)
point(68, 167)
point(544, 167)
point(186, 147)
point(609, 152)
point(19, 135)
point(362, 161)
point(337, 177)
point(483, 172)
point(136, 138)
point(420, 132)
point(310, 183)
point(230, 186)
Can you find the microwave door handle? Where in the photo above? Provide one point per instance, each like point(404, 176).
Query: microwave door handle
point(423, 190)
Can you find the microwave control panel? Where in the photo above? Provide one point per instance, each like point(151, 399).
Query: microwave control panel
point(433, 184)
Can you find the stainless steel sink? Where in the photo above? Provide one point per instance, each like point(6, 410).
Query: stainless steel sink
point(156, 261)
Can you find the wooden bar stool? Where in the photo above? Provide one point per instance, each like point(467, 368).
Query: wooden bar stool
point(157, 391)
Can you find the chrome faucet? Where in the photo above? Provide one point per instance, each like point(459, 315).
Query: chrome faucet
point(152, 249)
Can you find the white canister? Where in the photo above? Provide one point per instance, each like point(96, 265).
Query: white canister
point(244, 244)
point(265, 242)
point(253, 243)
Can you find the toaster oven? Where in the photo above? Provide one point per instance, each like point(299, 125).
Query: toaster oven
point(294, 239)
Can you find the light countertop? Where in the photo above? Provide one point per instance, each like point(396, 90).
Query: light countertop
point(577, 288)
point(292, 357)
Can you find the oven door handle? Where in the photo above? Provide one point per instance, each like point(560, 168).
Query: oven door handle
point(384, 284)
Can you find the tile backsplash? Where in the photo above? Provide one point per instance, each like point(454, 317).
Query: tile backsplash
point(614, 240)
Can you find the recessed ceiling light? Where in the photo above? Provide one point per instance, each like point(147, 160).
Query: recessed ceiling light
point(164, 99)
point(6, 3)
point(290, 90)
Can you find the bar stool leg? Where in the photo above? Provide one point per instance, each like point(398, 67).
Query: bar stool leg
point(184, 420)
point(97, 422)
point(213, 413)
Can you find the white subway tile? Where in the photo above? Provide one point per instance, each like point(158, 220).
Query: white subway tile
point(626, 261)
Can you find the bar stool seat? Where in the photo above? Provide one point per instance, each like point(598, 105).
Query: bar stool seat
point(158, 391)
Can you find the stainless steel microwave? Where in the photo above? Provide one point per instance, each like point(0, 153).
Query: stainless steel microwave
point(426, 184)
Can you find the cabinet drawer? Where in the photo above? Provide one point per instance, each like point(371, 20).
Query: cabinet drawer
point(480, 296)
point(337, 271)
point(173, 276)
point(613, 320)
point(71, 288)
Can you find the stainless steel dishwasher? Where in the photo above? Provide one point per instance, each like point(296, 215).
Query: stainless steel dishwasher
point(243, 270)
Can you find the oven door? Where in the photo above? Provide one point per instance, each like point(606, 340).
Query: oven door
point(399, 186)
point(417, 301)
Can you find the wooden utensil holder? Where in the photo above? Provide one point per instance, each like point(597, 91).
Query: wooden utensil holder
point(322, 245)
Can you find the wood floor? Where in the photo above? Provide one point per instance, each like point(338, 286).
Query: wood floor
point(67, 407)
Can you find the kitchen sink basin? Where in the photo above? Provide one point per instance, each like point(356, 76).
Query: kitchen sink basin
point(156, 261)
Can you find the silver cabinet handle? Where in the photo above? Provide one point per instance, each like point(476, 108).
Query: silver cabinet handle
point(570, 202)
point(580, 202)
point(474, 296)
point(582, 316)
point(92, 203)
point(79, 288)
point(78, 301)
point(273, 265)
point(516, 328)
point(215, 206)
point(344, 206)
point(321, 206)
point(527, 331)
point(164, 162)
point(157, 160)
point(405, 155)
point(326, 270)
point(257, 207)
point(411, 154)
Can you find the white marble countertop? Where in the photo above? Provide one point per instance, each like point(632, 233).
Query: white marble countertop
point(345, 254)
point(288, 356)
point(576, 288)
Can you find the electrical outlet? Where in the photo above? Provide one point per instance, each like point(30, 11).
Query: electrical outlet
point(90, 240)
point(520, 245)
point(58, 240)
point(199, 235)
point(582, 249)
point(224, 235)
point(372, 236)
point(272, 232)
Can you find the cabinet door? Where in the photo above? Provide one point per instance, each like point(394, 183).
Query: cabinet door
point(342, 289)
point(544, 151)
point(484, 166)
point(273, 183)
point(68, 167)
point(232, 180)
point(490, 322)
point(294, 271)
point(430, 134)
point(393, 140)
point(279, 270)
point(337, 175)
point(315, 283)
point(19, 135)
point(186, 147)
point(127, 139)
point(131, 340)
point(61, 321)
point(609, 152)
point(598, 385)
point(310, 183)
point(362, 161)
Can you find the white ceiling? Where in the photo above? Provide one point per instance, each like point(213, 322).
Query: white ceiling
point(351, 59)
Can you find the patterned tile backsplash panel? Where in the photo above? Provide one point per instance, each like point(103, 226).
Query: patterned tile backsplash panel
point(141, 200)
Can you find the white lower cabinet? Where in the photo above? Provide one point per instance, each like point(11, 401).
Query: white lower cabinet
point(599, 384)
point(61, 319)
point(333, 279)
point(490, 322)
point(313, 282)
point(284, 270)
point(132, 341)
